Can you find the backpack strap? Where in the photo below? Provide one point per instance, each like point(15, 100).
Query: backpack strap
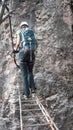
point(22, 34)
point(22, 39)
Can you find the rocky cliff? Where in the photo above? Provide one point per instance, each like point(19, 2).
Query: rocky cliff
point(53, 72)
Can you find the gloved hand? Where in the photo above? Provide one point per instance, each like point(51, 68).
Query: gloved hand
point(15, 51)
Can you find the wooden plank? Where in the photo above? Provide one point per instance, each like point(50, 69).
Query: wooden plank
point(25, 101)
point(34, 125)
point(31, 110)
point(33, 116)
point(29, 104)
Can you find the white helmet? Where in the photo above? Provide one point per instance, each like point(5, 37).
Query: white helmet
point(24, 23)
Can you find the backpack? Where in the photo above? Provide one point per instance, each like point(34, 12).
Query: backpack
point(28, 42)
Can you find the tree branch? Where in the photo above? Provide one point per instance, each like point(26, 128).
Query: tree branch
point(6, 16)
point(2, 8)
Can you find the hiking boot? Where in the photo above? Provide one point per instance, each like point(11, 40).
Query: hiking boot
point(33, 90)
point(33, 95)
point(25, 97)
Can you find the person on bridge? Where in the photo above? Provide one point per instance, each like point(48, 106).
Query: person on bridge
point(26, 57)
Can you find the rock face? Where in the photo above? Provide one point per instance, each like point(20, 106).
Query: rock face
point(53, 72)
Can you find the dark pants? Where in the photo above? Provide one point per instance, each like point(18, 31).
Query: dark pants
point(27, 73)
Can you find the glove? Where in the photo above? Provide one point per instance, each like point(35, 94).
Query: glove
point(15, 51)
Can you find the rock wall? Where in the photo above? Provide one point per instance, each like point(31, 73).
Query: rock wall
point(53, 73)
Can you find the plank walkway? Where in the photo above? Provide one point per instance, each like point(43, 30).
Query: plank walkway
point(34, 106)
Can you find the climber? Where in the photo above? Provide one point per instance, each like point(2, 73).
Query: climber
point(26, 60)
